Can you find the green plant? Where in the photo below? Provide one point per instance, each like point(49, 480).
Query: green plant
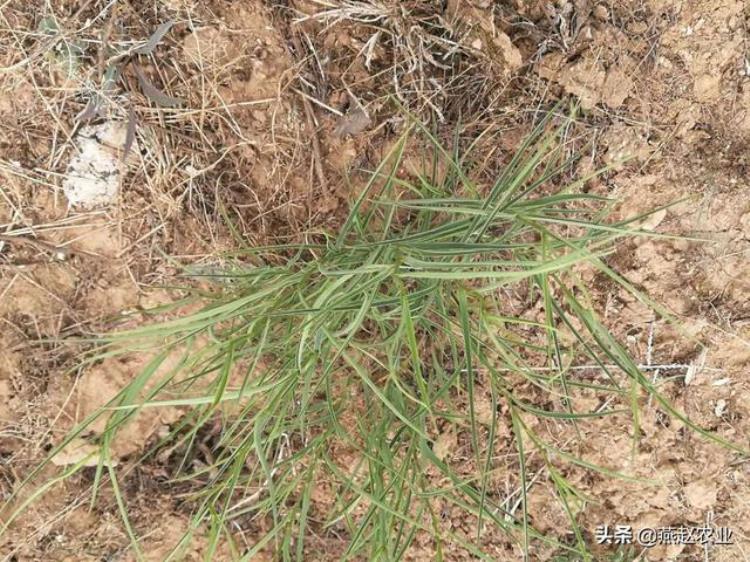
point(373, 340)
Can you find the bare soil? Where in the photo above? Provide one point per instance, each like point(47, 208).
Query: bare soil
point(279, 113)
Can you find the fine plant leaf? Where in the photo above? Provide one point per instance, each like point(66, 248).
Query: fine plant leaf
point(152, 92)
point(156, 37)
point(343, 361)
point(110, 78)
point(62, 52)
point(96, 105)
point(48, 26)
point(90, 111)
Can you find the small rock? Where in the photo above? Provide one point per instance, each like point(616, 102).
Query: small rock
point(80, 451)
point(720, 408)
point(93, 174)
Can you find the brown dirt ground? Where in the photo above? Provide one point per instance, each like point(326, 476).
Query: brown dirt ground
point(665, 82)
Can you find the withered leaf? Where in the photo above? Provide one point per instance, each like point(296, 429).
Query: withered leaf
point(90, 111)
point(354, 122)
point(129, 134)
point(152, 92)
point(148, 47)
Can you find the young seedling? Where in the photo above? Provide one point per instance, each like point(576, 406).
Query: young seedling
point(336, 366)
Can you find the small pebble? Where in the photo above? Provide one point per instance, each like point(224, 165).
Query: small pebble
point(721, 407)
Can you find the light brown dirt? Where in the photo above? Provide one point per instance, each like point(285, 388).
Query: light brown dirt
point(662, 83)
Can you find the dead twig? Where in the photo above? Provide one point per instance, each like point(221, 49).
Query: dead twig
point(317, 156)
point(59, 253)
point(310, 118)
